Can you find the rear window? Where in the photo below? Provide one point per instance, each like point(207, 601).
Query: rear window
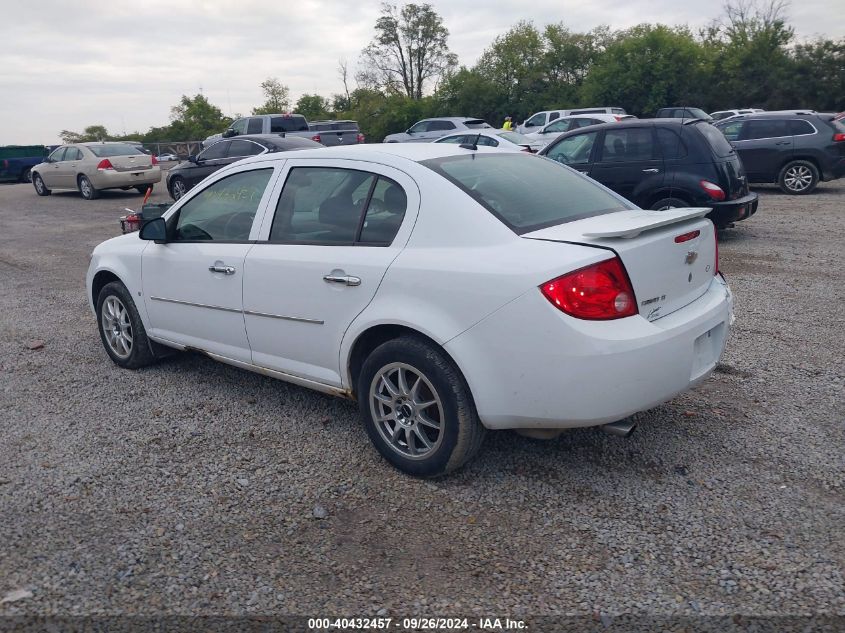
point(114, 149)
point(526, 192)
point(288, 124)
point(475, 123)
point(618, 111)
point(718, 143)
point(515, 137)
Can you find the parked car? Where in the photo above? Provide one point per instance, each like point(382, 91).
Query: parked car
point(662, 164)
point(794, 150)
point(282, 123)
point(182, 178)
point(166, 158)
point(550, 132)
point(17, 161)
point(332, 133)
point(503, 139)
point(448, 290)
point(541, 119)
point(92, 167)
point(724, 114)
point(683, 113)
point(429, 130)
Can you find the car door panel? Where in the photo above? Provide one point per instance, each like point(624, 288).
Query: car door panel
point(299, 299)
point(628, 162)
point(763, 147)
point(193, 288)
point(51, 173)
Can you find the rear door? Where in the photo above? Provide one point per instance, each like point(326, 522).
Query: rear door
point(763, 146)
point(325, 245)
point(436, 129)
point(629, 162)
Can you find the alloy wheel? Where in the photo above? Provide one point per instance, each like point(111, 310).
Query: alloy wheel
point(39, 184)
point(798, 178)
point(117, 328)
point(407, 410)
point(85, 187)
point(179, 188)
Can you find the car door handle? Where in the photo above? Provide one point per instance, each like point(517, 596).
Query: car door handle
point(651, 171)
point(219, 268)
point(784, 143)
point(347, 280)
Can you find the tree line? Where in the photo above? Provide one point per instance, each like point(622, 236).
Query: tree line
point(747, 57)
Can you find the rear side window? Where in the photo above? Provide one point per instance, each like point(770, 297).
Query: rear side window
point(526, 192)
point(244, 148)
point(553, 115)
point(766, 128)
point(254, 126)
point(799, 127)
point(288, 123)
point(627, 145)
point(73, 153)
point(717, 141)
point(671, 145)
point(434, 126)
point(114, 149)
point(218, 150)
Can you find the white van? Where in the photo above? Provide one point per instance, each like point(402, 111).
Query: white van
point(539, 119)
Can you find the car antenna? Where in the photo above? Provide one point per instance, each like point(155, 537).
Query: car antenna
point(474, 145)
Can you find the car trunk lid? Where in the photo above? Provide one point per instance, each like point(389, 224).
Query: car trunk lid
point(132, 162)
point(669, 255)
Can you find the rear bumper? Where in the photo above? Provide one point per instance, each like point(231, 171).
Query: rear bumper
point(529, 365)
point(733, 210)
point(114, 179)
point(837, 170)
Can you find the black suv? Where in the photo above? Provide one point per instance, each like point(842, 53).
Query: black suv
point(184, 176)
point(661, 164)
point(793, 149)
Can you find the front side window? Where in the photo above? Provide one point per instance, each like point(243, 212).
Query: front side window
point(731, 131)
point(417, 128)
point(553, 115)
point(255, 125)
point(223, 211)
point(574, 150)
point(58, 155)
point(627, 145)
point(218, 150)
point(526, 192)
point(239, 126)
point(536, 120)
point(558, 127)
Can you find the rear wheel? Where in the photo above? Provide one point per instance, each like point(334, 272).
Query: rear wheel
point(798, 178)
point(40, 187)
point(417, 409)
point(121, 328)
point(668, 203)
point(87, 189)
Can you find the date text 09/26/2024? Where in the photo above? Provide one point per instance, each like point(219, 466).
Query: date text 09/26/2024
point(416, 624)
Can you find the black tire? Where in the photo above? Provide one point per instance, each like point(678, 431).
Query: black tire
point(86, 188)
point(26, 175)
point(460, 432)
point(798, 178)
point(668, 203)
point(177, 184)
point(40, 187)
point(143, 190)
point(140, 352)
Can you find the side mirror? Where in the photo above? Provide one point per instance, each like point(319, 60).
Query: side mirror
point(154, 230)
point(229, 133)
point(527, 124)
point(192, 158)
point(409, 131)
point(49, 160)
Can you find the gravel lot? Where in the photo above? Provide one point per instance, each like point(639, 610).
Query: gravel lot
point(191, 487)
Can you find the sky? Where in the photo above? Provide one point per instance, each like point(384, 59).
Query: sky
point(66, 65)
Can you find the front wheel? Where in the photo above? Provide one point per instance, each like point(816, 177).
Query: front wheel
point(178, 188)
point(87, 189)
point(121, 328)
point(417, 408)
point(798, 178)
point(40, 187)
point(26, 175)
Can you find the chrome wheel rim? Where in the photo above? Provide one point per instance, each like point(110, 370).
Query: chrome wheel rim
point(407, 411)
point(85, 187)
point(798, 178)
point(179, 188)
point(39, 184)
point(117, 328)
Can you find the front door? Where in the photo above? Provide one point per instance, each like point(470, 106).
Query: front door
point(323, 251)
point(575, 151)
point(193, 283)
point(209, 161)
point(50, 174)
point(628, 162)
point(763, 146)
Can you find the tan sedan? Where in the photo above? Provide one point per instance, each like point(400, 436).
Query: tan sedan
point(92, 167)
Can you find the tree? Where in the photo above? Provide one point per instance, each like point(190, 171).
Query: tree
point(276, 97)
point(818, 79)
point(195, 118)
point(408, 52)
point(90, 133)
point(312, 107)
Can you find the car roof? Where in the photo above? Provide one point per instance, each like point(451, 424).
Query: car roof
point(459, 119)
point(276, 139)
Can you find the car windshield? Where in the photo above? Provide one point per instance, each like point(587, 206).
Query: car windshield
point(526, 192)
point(515, 137)
point(114, 149)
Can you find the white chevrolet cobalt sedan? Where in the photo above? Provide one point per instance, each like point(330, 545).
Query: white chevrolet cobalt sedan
point(448, 290)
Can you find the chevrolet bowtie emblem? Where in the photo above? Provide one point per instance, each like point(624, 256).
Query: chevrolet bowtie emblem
point(690, 258)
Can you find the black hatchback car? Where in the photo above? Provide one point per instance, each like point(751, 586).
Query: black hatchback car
point(181, 178)
point(793, 149)
point(661, 164)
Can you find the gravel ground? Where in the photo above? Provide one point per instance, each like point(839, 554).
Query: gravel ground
point(192, 487)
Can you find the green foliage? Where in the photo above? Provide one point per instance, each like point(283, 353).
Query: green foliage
point(90, 133)
point(313, 107)
point(276, 97)
point(195, 118)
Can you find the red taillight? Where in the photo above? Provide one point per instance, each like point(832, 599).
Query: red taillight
point(104, 164)
point(360, 138)
point(716, 242)
point(714, 191)
point(155, 160)
point(597, 293)
point(686, 237)
point(839, 137)
point(316, 138)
